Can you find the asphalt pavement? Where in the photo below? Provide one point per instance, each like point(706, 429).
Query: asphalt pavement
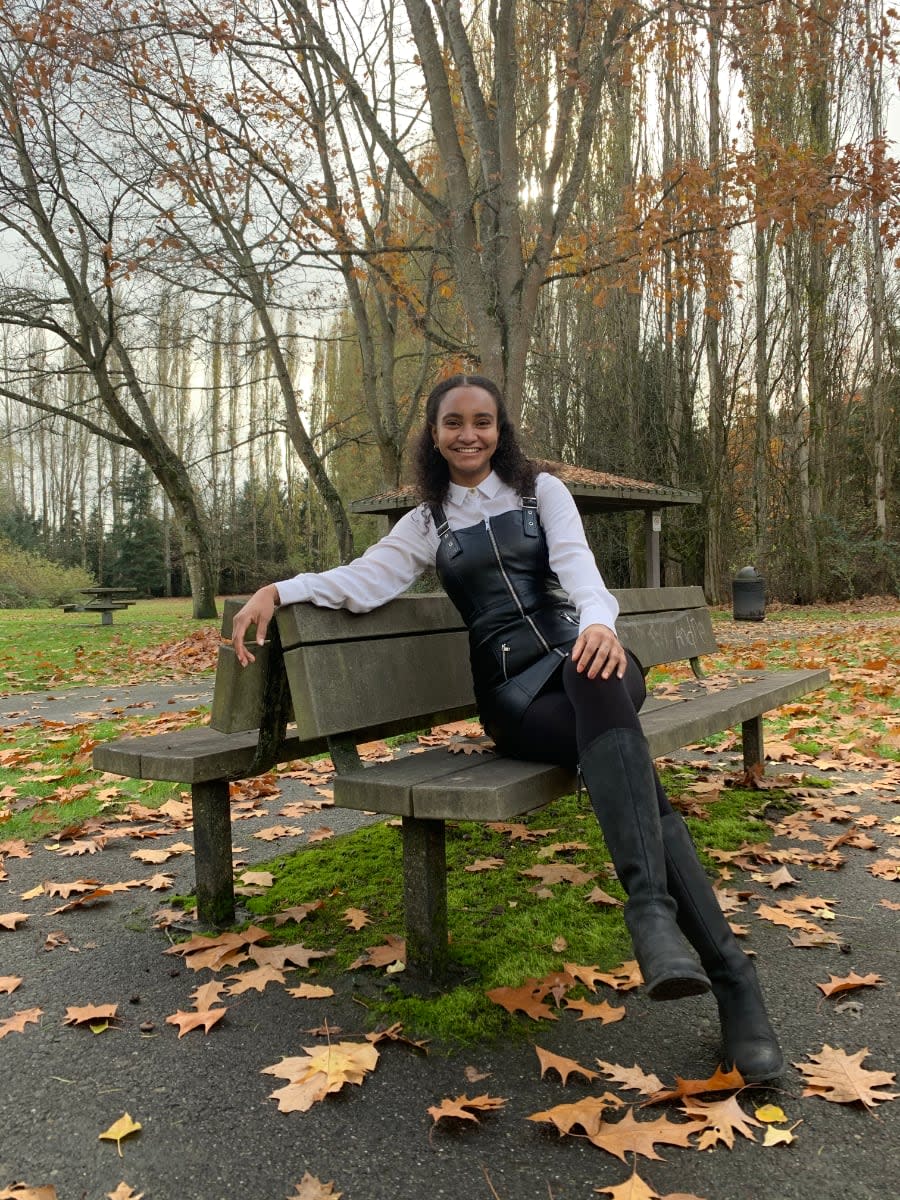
point(211, 1131)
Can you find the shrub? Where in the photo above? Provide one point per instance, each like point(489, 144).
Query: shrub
point(29, 581)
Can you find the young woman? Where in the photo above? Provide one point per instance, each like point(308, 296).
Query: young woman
point(552, 680)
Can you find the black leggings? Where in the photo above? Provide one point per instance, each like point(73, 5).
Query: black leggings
point(571, 711)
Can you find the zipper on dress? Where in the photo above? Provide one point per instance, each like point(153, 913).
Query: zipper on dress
point(512, 590)
point(504, 650)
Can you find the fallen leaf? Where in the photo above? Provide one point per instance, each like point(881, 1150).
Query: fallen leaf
point(90, 1013)
point(780, 1137)
point(17, 1022)
point(722, 1119)
point(311, 1187)
point(357, 918)
point(631, 1078)
point(461, 1106)
point(597, 1012)
point(848, 983)
point(527, 999)
point(719, 1081)
point(120, 1129)
point(21, 1191)
point(485, 864)
point(598, 896)
point(8, 984)
point(186, 1021)
point(392, 950)
point(884, 868)
point(324, 1070)
point(12, 920)
point(208, 994)
point(563, 1066)
point(635, 1188)
point(124, 1191)
point(310, 991)
point(840, 1077)
point(299, 912)
point(257, 980)
point(770, 1113)
point(628, 1136)
point(587, 1112)
point(560, 873)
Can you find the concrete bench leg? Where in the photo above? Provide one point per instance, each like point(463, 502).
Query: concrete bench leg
point(212, 852)
point(425, 898)
point(752, 739)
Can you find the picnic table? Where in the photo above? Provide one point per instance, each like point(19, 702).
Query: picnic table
point(105, 601)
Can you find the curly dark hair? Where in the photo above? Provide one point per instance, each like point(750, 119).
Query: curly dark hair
point(510, 462)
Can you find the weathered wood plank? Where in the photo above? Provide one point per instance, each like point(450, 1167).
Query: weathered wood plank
point(341, 687)
point(667, 637)
point(195, 755)
point(491, 789)
point(653, 600)
point(419, 614)
point(668, 728)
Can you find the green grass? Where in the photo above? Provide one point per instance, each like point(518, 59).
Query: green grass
point(47, 648)
point(502, 933)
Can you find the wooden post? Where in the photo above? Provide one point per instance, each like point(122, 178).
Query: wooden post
point(425, 898)
point(212, 852)
point(752, 742)
point(652, 528)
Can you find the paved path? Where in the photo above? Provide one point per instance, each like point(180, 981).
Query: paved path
point(211, 1131)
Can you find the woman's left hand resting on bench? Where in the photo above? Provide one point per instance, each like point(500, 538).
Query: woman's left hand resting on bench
point(258, 611)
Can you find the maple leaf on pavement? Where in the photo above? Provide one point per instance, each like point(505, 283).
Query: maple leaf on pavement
point(587, 1112)
point(462, 1104)
point(848, 983)
point(17, 1022)
point(631, 1078)
point(21, 1191)
point(324, 1070)
point(208, 994)
point(636, 1189)
point(297, 955)
point(12, 920)
point(840, 1077)
point(719, 1081)
point(628, 1136)
point(258, 980)
point(310, 991)
point(565, 1066)
point(120, 1129)
point(186, 1021)
point(8, 984)
point(90, 1014)
point(722, 1119)
point(311, 1187)
point(623, 978)
point(603, 1011)
point(124, 1192)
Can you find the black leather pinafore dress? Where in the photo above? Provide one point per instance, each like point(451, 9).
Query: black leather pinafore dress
point(521, 623)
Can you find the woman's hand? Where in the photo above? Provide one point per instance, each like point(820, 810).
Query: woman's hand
point(258, 611)
point(599, 652)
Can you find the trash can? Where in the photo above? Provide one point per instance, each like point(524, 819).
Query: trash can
point(748, 592)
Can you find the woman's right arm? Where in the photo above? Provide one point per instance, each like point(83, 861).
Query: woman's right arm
point(383, 572)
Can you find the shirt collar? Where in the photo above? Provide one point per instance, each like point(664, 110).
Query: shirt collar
point(488, 487)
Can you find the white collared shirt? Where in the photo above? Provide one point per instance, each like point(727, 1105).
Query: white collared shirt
point(389, 567)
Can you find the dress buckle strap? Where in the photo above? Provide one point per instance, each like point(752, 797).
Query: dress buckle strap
point(445, 533)
point(530, 524)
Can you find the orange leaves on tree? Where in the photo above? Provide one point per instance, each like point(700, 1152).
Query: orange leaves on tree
point(464, 1108)
point(323, 1070)
point(848, 983)
point(840, 1077)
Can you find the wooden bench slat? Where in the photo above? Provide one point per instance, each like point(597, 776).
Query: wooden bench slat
point(668, 637)
point(348, 686)
point(669, 727)
point(195, 755)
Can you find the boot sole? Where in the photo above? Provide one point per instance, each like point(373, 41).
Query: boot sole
point(679, 987)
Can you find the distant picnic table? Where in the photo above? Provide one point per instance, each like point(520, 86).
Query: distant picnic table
point(105, 601)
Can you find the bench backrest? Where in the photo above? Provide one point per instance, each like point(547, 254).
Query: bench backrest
point(406, 665)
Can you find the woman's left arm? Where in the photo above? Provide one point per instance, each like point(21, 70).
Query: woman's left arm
point(597, 650)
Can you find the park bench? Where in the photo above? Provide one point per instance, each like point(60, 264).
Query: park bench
point(330, 680)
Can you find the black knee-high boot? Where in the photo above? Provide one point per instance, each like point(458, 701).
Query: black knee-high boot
point(748, 1038)
point(618, 773)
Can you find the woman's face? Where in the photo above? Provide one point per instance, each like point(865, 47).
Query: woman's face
point(466, 433)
